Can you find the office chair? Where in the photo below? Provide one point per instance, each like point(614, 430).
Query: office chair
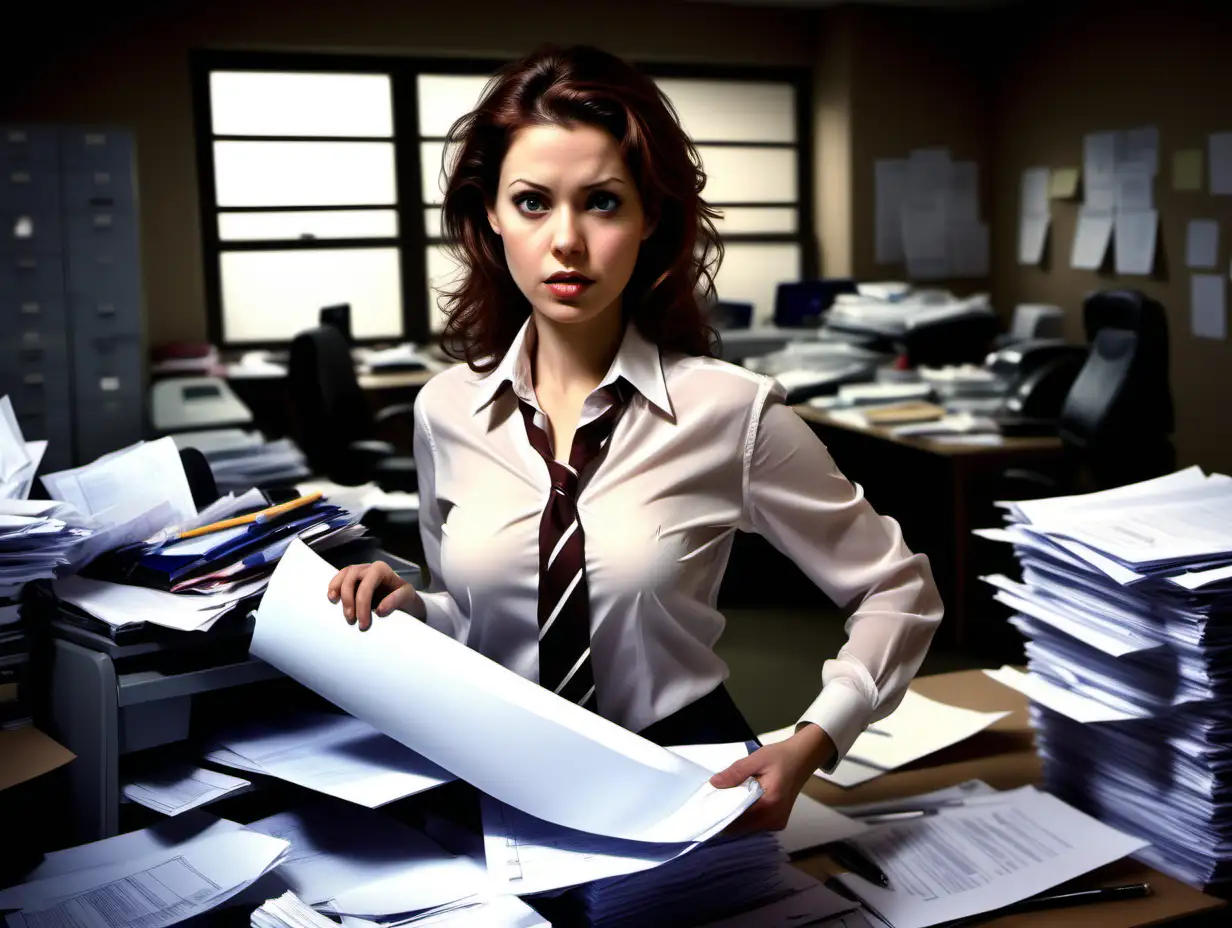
point(1117, 418)
point(803, 303)
point(335, 426)
point(339, 316)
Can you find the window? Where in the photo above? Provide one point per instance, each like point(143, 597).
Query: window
point(321, 181)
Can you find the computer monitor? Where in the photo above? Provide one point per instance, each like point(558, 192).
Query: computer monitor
point(802, 303)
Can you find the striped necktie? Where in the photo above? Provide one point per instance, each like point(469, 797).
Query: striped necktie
point(564, 598)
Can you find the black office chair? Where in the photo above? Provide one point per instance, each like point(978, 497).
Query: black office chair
point(802, 304)
point(335, 426)
point(1117, 419)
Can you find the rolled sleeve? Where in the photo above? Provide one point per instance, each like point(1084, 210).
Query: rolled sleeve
point(797, 498)
point(441, 610)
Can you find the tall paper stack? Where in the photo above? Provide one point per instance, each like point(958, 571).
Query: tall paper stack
point(1126, 604)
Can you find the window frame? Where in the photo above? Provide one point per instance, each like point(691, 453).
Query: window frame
point(412, 241)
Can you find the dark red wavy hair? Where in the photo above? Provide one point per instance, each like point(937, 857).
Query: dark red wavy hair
point(674, 274)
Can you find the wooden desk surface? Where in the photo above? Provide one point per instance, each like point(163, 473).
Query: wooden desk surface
point(1014, 444)
point(1003, 756)
point(394, 381)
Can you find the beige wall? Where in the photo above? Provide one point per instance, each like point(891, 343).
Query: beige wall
point(133, 70)
point(1115, 67)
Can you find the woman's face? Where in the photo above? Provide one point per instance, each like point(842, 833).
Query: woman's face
point(566, 207)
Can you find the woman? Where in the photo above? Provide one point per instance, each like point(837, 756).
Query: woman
point(582, 476)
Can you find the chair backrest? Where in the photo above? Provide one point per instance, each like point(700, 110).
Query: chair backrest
point(804, 302)
point(1122, 395)
point(330, 408)
point(339, 316)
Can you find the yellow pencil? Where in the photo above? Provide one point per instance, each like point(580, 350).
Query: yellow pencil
point(263, 516)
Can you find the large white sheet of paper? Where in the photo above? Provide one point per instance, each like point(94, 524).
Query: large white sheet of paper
point(986, 854)
point(478, 720)
point(1208, 306)
point(331, 753)
point(1032, 234)
point(1076, 706)
point(1091, 238)
point(120, 604)
point(160, 888)
point(181, 787)
point(1202, 244)
point(917, 728)
point(1136, 233)
point(1099, 161)
point(1141, 146)
point(1135, 188)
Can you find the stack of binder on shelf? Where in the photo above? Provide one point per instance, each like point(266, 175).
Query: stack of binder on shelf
point(1126, 602)
point(241, 460)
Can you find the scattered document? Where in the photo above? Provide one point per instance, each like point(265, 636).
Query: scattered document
point(161, 887)
point(1135, 188)
point(121, 604)
point(981, 856)
point(331, 753)
point(1187, 169)
point(1033, 215)
point(1071, 704)
point(1202, 243)
point(890, 188)
point(1099, 161)
point(1219, 150)
point(1208, 308)
point(586, 772)
point(813, 824)
point(918, 727)
point(1091, 238)
point(180, 788)
point(946, 797)
point(1135, 241)
point(19, 459)
point(288, 911)
point(1064, 184)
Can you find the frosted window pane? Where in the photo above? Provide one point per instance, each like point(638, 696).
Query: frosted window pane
point(327, 224)
point(443, 98)
point(269, 103)
point(443, 272)
point(304, 173)
point(432, 222)
point(274, 295)
point(748, 220)
point(749, 175)
point(433, 173)
point(733, 111)
point(752, 272)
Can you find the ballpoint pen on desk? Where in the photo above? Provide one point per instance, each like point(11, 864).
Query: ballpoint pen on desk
point(901, 813)
point(1057, 901)
point(851, 857)
point(265, 515)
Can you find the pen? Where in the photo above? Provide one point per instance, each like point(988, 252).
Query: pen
point(873, 730)
point(904, 815)
point(851, 857)
point(265, 515)
point(903, 812)
point(1055, 901)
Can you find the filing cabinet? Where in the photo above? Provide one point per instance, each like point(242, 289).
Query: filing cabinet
point(70, 289)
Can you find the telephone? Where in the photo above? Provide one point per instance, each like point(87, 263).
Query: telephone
point(1039, 374)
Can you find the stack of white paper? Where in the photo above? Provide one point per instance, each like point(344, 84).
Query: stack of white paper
point(157, 876)
point(121, 604)
point(19, 459)
point(241, 460)
point(330, 753)
point(917, 728)
point(288, 911)
point(181, 787)
point(988, 852)
point(1125, 600)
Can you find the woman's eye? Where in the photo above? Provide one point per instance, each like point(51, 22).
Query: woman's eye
point(606, 202)
point(529, 202)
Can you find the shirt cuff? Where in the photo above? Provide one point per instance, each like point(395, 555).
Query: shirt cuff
point(842, 712)
point(442, 614)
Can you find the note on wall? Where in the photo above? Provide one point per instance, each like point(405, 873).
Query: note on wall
point(1208, 311)
point(1064, 184)
point(889, 193)
point(924, 213)
point(1033, 215)
point(1187, 169)
point(1202, 243)
point(1141, 146)
point(1099, 160)
point(1219, 151)
point(968, 248)
point(1134, 187)
point(1135, 235)
point(1091, 238)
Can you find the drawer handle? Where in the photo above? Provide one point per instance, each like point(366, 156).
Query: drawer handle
point(96, 138)
point(30, 309)
point(30, 339)
point(23, 227)
point(27, 263)
point(106, 309)
point(102, 177)
point(17, 135)
point(109, 384)
point(33, 380)
point(102, 221)
point(20, 177)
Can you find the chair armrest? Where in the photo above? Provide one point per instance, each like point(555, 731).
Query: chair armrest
point(385, 413)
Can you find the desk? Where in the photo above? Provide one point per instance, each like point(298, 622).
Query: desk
point(1003, 756)
point(938, 491)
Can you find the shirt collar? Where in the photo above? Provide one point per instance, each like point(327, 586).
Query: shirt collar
point(638, 361)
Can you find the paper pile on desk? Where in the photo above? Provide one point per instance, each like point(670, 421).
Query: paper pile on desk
point(19, 459)
point(919, 726)
point(330, 753)
point(1126, 603)
point(474, 718)
point(241, 460)
point(157, 876)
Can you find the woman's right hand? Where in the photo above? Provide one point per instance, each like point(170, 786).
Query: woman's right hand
point(356, 586)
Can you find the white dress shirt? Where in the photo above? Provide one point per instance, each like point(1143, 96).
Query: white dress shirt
point(702, 449)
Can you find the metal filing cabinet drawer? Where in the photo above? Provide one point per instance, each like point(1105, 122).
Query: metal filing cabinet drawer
point(37, 380)
point(107, 188)
point(94, 149)
point(108, 388)
point(102, 253)
point(29, 189)
point(107, 315)
point(29, 146)
point(25, 272)
point(46, 314)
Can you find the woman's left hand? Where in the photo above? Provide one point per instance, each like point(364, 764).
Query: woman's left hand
point(782, 770)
